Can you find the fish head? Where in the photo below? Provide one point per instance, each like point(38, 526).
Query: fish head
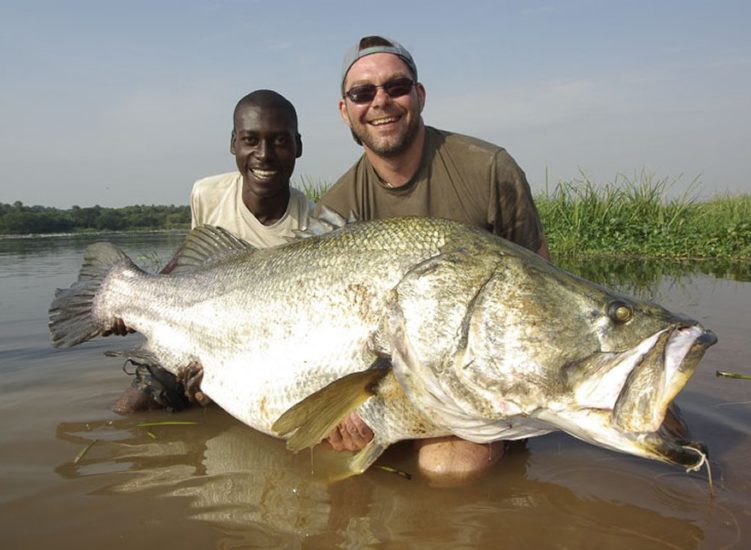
point(600, 365)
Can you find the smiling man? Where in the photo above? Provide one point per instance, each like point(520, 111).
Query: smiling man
point(256, 203)
point(408, 168)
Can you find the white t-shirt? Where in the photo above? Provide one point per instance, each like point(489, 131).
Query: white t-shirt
point(217, 200)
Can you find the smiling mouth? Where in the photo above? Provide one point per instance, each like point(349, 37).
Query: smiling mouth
point(384, 120)
point(263, 174)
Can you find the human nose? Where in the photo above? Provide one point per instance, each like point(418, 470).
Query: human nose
point(263, 150)
point(381, 97)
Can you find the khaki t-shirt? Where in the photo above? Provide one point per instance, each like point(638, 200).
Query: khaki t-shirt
point(217, 200)
point(459, 178)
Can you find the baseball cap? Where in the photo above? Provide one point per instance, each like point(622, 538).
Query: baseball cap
point(376, 44)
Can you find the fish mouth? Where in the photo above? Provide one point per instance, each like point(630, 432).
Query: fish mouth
point(673, 447)
point(625, 401)
point(645, 411)
point(658, 375)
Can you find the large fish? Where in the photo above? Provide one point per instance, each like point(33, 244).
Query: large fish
point(424, 327)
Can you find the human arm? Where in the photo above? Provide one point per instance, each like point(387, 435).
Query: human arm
point(544, 250)
point(512, 212)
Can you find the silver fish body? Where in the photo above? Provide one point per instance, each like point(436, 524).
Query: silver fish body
point(457, 332)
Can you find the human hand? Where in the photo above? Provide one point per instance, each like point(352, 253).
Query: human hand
point(118, 328)
point(191, 378)
point(352, 434)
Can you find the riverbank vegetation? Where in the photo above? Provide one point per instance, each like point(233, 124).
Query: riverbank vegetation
point(625, 218)
point(19, 219)
point(635, 217)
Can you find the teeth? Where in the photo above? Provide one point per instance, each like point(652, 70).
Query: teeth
point(263, 174)
point(386, 120)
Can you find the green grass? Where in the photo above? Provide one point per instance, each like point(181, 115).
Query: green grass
point(635, 217)
point(312, 189)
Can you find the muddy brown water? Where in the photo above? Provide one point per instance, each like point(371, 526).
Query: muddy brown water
point(219, 484)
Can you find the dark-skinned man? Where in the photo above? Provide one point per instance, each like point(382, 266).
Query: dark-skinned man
point(255, 203)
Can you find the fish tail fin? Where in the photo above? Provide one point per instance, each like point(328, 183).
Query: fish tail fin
point(313, 418)
point(70, 315)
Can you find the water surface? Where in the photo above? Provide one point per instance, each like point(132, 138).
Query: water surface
point(219, 484)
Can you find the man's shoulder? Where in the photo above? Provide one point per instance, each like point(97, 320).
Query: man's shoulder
point(462, 142)
point(474, 153)
point(343, 188)
point(216, 183)
point(350, 176)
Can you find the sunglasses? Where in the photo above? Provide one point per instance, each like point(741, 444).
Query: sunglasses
point(367, 92)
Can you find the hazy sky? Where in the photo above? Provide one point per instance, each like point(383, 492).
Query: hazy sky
point(129, 102)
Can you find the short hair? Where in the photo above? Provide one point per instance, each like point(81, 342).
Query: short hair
point(266, 99)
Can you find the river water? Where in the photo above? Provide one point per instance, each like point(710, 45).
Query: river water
point(219, 484)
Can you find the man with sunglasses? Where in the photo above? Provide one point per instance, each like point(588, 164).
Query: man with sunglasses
point(410, 169)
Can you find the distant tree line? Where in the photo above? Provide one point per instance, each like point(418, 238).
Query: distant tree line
point(19, 219)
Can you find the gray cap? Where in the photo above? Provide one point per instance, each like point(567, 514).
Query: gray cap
point(361, 49)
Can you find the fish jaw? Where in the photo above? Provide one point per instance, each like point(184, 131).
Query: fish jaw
point(640, 420)
point(658, 377)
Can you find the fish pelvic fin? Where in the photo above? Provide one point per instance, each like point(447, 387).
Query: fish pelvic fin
point(313, 418)
point(204, 244)
point(70, 314)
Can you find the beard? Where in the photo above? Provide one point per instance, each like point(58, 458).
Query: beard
point(388, 146)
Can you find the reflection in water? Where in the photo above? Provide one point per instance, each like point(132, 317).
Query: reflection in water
point(642, 276)
point(50, 244)
point(254, 492)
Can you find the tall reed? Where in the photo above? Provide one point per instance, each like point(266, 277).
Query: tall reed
point(636, 217)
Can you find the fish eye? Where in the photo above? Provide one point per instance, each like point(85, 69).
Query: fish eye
point(620, 312)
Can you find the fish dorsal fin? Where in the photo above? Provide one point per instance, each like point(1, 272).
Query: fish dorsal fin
point(204, 244)
point(98, 259)
point(327, 220)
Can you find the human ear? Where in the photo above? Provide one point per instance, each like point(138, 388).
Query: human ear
point(343, 112)
point(420, 95)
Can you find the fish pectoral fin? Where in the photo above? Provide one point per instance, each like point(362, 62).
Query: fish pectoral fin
point(313, 418)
